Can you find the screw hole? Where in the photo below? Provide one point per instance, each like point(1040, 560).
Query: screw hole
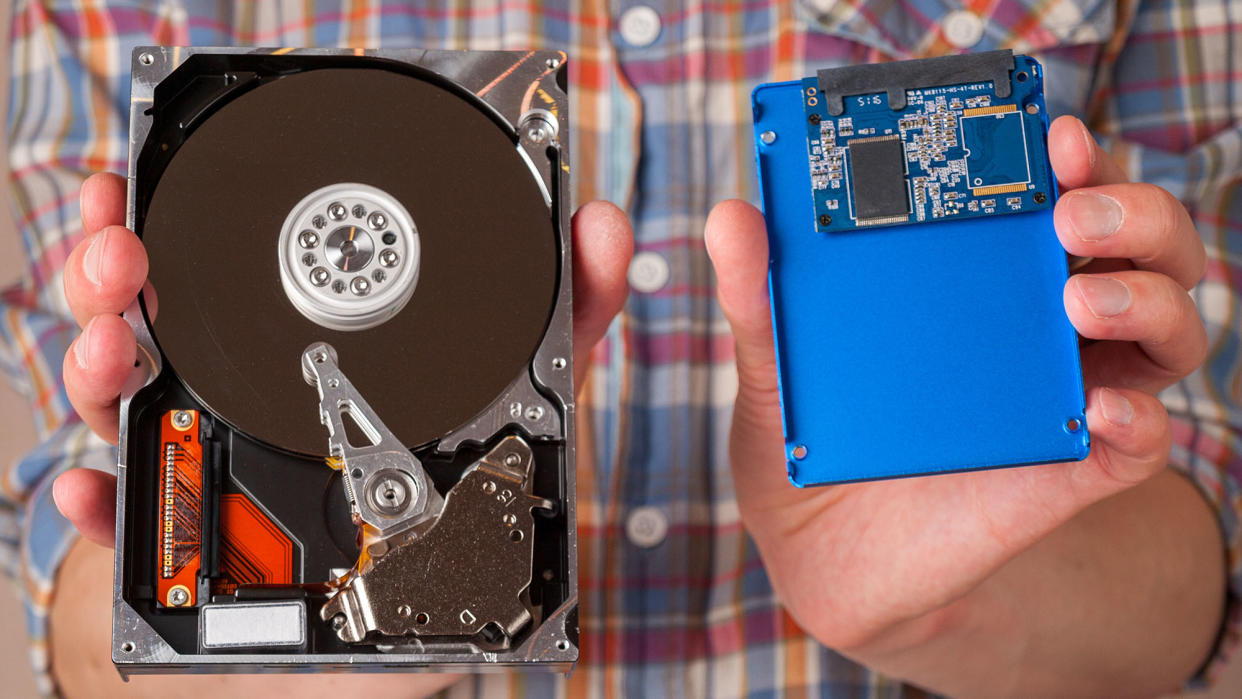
point(562, 645)
point(127, 647)
point(1021, 76)
point(1073, 425)
point(799, 452)
point(356, 473)
point(421, 619)
point(516, 535)
point(146, 59)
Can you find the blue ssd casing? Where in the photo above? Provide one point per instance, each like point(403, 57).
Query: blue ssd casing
point(929, 344)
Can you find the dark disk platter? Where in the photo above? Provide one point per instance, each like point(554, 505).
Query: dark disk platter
point(360, 368)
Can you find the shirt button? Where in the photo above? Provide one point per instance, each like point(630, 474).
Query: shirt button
point(646, 527)
point(640, 26)
point(648, 272)
point(962, 28)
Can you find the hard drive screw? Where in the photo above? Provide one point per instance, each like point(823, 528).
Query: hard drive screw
point(182, 419)
point(539, 131)
point(388, 258)
point(359, 211)
point(405, 611)
point(553, 63)
point(319, 221)
point(558, 363)
point(319, 276)
point(489, 487)
point(509, 519)
point(1032, 109)
point(308, 239)
point(360, 286)
point(309, 259)
point(338, 622)
point(534, 413)
point(379, 276)
point(512, 460)
point(178, 597)
point(337, 211)
point(377, 220)
point(338, 286)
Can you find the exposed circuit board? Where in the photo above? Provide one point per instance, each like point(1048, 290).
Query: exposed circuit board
point(211, 542)
point(926, 140)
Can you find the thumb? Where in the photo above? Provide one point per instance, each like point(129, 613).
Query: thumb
point(737, 244)
point(603, 244)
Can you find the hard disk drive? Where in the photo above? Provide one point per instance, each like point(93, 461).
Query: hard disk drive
point(348, 441)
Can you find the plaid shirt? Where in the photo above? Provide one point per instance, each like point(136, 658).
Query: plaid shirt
point(663, 130)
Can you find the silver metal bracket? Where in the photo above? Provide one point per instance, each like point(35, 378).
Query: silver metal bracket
point(465, 575)
point(385, 484)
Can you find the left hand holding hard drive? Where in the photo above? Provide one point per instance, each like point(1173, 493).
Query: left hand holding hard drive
point(106, 271)
point(894, 572)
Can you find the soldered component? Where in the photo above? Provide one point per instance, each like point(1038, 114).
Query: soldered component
point(877, 168)
point(180, 509)
point(960, 144)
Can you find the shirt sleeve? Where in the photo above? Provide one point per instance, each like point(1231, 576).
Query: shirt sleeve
point(1166, 105)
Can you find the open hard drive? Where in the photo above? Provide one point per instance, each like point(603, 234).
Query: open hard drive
point(348, 441)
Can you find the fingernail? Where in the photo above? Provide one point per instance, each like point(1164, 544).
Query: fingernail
point(56, 494)
point(82, 348)
point(1115, 407)
point(1090, 143)
point(1094, 216)
point(1104, 297)
point(92, 259)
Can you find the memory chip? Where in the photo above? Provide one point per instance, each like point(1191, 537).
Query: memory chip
point(878, 172)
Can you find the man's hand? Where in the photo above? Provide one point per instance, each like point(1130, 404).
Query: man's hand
point(105, 272)
point(859, 566)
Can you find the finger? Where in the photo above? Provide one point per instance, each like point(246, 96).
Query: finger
point(1130, 436)
point(737, 243)
point(104, 273)
point(603, 244)
point(1144, 308)
point(1139, 222)
point(1077, 159)
point(96, 367)
point(151, 301)
point(102, 199)
point(87, 498)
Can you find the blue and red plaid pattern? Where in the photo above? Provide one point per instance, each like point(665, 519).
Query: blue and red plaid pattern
point(662, 130)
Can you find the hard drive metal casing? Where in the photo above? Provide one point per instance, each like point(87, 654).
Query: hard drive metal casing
point(545, 391)
point(918, 348)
